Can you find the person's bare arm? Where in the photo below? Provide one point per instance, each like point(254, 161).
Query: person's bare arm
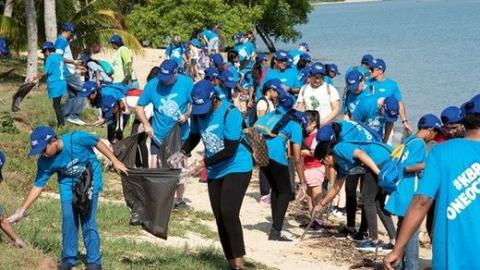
point(299, 163)
point(332, 115)
point(415, 214)
point(366, 159)
point(117, 164)
point(415, 168)
point(143, 118)
point(388, 131)
point(403, 116)
point(331, 193)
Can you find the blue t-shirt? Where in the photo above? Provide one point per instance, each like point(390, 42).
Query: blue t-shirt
point(343, 152)
point(108, 90)
point(169, 103)
point(277, 146)
point(413, 154)
point(368, 112)
point(222, 93)
point(366, 73)
point(209, 34)
point(328, 80)
point(289, 77)
point(245, 50)
point(214, 129)
point(62, 47)
point(295, 54)
point(452, 178)
point(176, 53)
point(386, 88)
point(70, 163)
point(54, 69)
point(353, 131)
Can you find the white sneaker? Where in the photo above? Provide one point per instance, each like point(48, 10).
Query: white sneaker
point(76, 121)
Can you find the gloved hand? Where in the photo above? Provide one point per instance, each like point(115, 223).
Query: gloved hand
point(175, 161)
point(19, 214)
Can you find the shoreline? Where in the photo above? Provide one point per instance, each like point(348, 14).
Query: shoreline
point(344, 2)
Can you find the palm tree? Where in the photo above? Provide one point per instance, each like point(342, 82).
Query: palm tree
point(8, 8)
point(50, 18)
point(32, 36)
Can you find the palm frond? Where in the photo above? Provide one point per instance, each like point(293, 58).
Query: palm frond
point(14, 32)
point(103, 37)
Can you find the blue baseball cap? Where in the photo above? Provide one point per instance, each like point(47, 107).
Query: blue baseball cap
point(452, 115)
point(367, 59)
point(281, 55)
point(260, 57)
point(332, 67)
point(306, 57)
point(326, 133)
point(227, 78)
point(2, 162)
point(168, 69)
point(203, 93)
point(472, 106)
point(68, 26)
point(116, 39)
point(353, 80)
point(304, 74)
point(40, 137)
point(85, 57)
point(391, 107)
point(317, 68)
point(301, 118)
point(88, 88)
point(48, 45)
point(107, 105)
point(430, 121)
point(274, 84)
point(286, 100)
point(211, 72)
point(378, 63)
point(217, 59)
point(305, 45)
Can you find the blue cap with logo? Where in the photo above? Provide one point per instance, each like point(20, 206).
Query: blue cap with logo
point(452, 115)
point(301, 118)
point(40, 137)
point(227, 78)
point(2, 162)
point(472, 106)
point(326, 134)
point(274, 84)
point(378, 64)
point(367, 59)
point(203, 93)
point(107, 105)
point(353, 80)
point(211, 73)
point(305, 45)
point(317, 68)
point(281, 55)
point(85, 58)
point(88, 88)
point(68, 26)
point(391, 107)
point(48, 45)
point(260, 57)
point(304, 74)
point(306, 57)
point(332, 67)
point(216, 59)
point(430, 121)
point(286, 100)
point(168, 69)
point(116, 39)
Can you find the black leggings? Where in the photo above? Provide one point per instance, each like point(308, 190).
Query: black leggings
point(264, 185)
point(351, 184)
point(278, 176)
point(58, 108)
point(373, 204)
point(430, 215)
point(226, 197)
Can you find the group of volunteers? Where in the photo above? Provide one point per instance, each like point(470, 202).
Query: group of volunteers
point(282, 113)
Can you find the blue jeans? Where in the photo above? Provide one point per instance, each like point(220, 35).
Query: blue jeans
point(410, 258)
point(75, 103)
point(91, 238)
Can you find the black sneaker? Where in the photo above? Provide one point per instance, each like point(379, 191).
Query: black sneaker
point(358, 236)
point(277, 236)
point(388, 247)
point(181, 205)
point(343, 233)
point(136, 219)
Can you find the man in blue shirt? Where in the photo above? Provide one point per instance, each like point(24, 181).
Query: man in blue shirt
point(75, 103)
point(176, 51)
point(364, 67)
point(385, 87)
point(356, 87)
point(170, 95)
point(212, 40)
point(453, 181)
point(69, 156)
point(295, 53)
point(331, 72)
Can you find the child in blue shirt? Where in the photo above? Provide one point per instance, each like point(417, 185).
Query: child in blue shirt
point(68, 156)
point(56, 83)
point(412, 164)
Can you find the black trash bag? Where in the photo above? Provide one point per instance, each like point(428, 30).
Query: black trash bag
point(132, 151)
point(21, 93)
point(151, 194)
point(170, 146)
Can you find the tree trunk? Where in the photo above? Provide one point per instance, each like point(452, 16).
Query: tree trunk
point(32, 37)
point(7, 12)
point(50, 17)
point(266, 39)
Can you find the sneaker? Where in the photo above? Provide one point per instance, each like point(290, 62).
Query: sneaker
point(76, 121)
point(358, 236)
point(368, 245)
point(338, 213)
point(180, 205)
point(343, 233)
point(388, 247)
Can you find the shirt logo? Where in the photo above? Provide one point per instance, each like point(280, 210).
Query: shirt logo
point(34, 142)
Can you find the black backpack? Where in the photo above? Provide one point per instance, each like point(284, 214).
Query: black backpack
point(82, 189)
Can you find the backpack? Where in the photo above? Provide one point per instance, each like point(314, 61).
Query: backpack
point(254, 142)
point(271, 123)
point(82, 189)
point(106, 66)
point(391, 171)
